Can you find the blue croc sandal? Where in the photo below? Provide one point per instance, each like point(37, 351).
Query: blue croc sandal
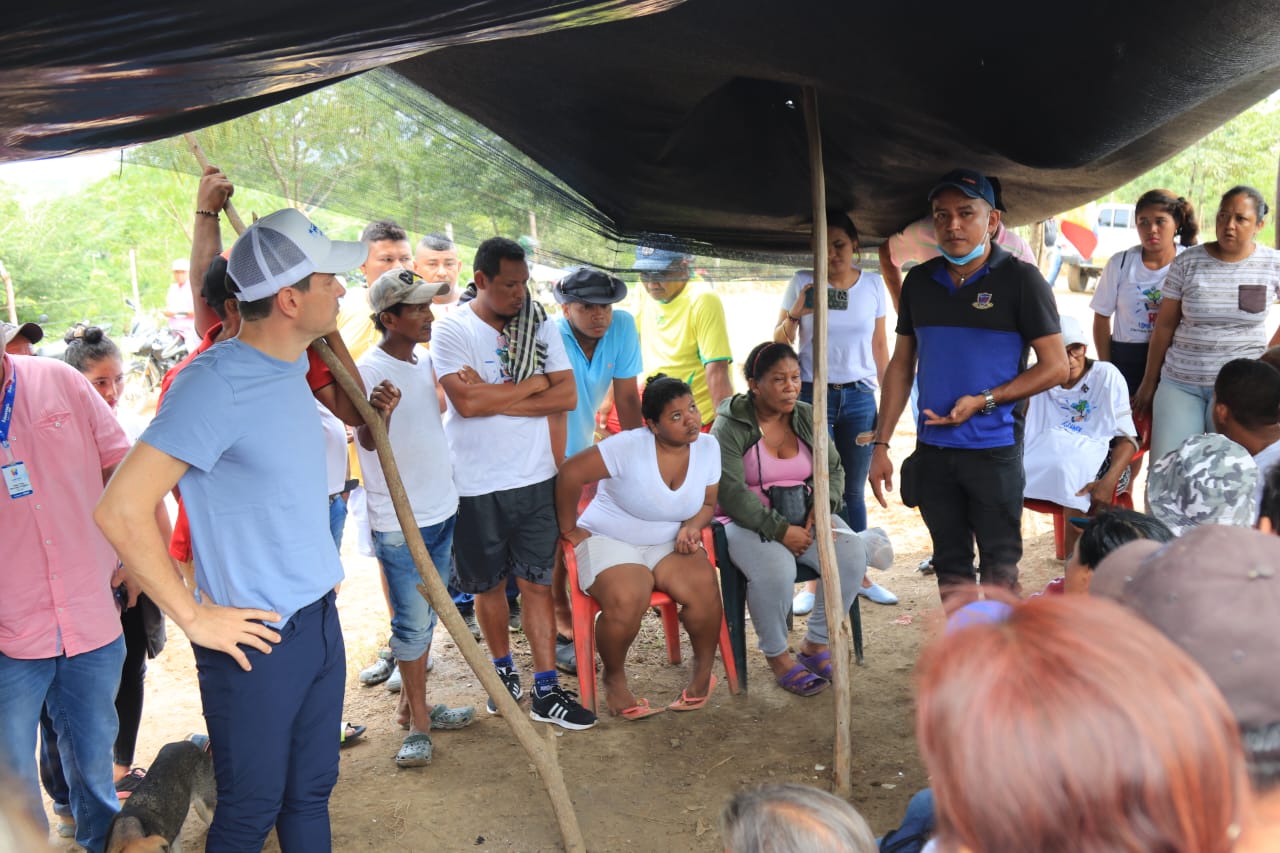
point(446, 718)
point(415, 751)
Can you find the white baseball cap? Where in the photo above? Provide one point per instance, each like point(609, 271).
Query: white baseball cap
point(280, 250)
point(1072, 332)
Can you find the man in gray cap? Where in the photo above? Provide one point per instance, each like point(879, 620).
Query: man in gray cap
point(401, 303)
point(604, 349)
point(20, 340)
point(1216, 593)
point(970, 317)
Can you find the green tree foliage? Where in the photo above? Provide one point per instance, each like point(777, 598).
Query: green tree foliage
point(1245, 150)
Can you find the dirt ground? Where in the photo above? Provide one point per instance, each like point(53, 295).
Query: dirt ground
point(652, 785)
point(656, 784)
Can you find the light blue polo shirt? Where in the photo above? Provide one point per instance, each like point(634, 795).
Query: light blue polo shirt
point(617, 356)
point(255, 493)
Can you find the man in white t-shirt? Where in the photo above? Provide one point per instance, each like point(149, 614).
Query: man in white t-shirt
point(504, 370)
point(401, 304)
point(1246, 408)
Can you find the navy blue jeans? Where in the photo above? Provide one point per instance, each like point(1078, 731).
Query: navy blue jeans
point(274, 754)
point(851, 412)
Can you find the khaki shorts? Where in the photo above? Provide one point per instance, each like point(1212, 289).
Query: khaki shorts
point(596, 553)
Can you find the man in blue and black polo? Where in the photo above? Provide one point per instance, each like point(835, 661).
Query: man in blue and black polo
point(970, 317)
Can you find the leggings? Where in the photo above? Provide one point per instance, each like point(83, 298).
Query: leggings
point(132, 678)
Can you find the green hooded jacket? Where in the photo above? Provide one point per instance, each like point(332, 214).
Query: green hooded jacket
point(737, 431)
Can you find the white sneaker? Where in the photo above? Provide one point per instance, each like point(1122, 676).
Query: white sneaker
point(878, 594)
point(802, 604)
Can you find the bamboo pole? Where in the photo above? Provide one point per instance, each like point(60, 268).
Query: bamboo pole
point(543, 753)
point(434, 591)
point(836, 616)
point(227, 207)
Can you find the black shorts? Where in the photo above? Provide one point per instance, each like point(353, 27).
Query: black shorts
point(513, 531)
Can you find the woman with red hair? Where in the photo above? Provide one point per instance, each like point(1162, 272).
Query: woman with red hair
point(1075, 726)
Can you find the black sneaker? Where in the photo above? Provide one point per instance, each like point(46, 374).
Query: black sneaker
point(561, 707)
point(511, 679)
point(514, 622)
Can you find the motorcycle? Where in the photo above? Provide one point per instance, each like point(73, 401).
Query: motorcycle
point(153, 350)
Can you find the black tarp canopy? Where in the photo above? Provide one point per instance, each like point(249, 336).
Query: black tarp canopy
point(683, 118)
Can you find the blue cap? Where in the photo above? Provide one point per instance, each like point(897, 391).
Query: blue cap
point(652, 259)
point(971, 183)
point(985, 612)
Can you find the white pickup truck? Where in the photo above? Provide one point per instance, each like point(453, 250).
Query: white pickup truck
point(1116, 230)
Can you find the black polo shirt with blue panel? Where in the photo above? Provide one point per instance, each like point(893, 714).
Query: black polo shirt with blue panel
point(974, 337)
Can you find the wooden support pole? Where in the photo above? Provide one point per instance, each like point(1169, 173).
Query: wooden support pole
point(434, 591)
point(841, 662)
point(227, 208)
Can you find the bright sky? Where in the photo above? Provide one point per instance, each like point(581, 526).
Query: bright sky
point(58, 175)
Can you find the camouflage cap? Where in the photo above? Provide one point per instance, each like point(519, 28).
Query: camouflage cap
point(1208, 480)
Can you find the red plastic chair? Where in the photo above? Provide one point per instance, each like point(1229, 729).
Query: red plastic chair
point(585, 610)
point(1059, 512)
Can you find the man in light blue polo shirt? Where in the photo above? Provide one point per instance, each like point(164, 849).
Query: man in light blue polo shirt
point(603, 347)
point(604, 350)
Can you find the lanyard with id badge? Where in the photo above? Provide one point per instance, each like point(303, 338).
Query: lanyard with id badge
point(16, 480)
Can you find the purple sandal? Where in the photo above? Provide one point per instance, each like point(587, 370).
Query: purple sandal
point(802, 682)
point(819, 664)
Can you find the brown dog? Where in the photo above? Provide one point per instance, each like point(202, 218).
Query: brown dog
point(150, 821)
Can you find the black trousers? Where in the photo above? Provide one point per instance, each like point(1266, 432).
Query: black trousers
point(968, 495)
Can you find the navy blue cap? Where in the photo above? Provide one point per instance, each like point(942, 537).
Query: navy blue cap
point(971, 183)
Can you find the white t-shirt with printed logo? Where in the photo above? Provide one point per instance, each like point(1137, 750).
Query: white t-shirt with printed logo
point(1069, 431)
point(1130, 293)
point(635, 505)
point(495, 452)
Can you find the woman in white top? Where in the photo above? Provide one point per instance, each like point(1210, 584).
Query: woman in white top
point(1128, 297)
point(857, 353)
point(1214, 309)
point(643, 531)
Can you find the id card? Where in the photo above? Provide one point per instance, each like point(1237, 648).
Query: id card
point(16, 479)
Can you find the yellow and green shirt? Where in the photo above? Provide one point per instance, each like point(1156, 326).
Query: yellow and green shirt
point(680, 337)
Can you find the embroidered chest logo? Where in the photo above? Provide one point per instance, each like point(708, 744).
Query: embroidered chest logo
point(983, 302)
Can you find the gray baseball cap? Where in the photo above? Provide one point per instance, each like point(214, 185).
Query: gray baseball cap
point(398, 286)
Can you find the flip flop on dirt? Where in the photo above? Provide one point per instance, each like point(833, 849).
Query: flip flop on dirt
point(350, 733)
point(819, 664)
point(638, 711)
point(802, 682)
point(693, 703)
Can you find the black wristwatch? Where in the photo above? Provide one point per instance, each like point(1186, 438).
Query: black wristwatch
point(990, 405)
